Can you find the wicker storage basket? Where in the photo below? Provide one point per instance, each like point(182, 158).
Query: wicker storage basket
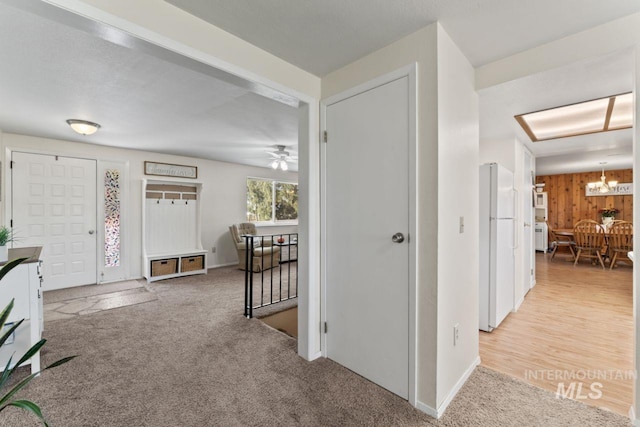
point(192, 263)
point(162, 267)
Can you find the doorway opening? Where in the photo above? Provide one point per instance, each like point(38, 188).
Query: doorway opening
point(572, 328)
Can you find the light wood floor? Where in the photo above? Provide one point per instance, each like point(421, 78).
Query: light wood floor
point(576, 319)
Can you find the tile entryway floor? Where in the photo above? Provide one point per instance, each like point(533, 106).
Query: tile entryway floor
point(72, 302)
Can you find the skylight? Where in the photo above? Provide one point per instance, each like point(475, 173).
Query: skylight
point(599, 115)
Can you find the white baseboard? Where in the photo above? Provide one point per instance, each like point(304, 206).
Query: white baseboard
point(315, 356)
point(106, 282)
point(463, 379)
point(426, 409)
point(222, 265)
point(443, 407)
point(518, 304)
point(632, 417)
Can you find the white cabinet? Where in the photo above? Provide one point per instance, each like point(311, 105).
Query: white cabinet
point(171, 221)
point(540, 200)
point(540, 204)
point(542, 236)
point(24, 285)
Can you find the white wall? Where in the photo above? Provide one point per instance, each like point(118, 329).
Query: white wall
point(519, 252)
point(223, 192)
point(501, 151)
point(458, 253)
point(623, 33)
point(636, 239)
point(420, 48)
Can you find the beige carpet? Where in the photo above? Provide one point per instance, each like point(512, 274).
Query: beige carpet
point(191, 359)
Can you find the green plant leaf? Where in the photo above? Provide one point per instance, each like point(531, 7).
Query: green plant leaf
point(6, 312)
point(6, 373)
point(7, 397)
point(33, 350)
point(5, 400)
point(6, 235)
point(10, 266)
point(7, 334)
point(27, 405)
point(60, 362)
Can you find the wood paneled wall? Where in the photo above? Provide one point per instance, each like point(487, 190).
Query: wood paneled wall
point(567, 203)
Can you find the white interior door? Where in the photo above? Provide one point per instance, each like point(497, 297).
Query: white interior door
point(54, 206)
point(367, 202)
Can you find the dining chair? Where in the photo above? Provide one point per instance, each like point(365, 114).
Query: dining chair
point(589, 238)
point(560, 241)
point(620, 241)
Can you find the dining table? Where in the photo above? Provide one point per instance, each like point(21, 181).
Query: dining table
point(568, 234)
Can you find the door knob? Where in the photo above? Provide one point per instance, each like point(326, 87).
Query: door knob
point(398, 238)
point(91, 231)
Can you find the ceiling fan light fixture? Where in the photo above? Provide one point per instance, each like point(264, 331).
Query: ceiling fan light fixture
point(83, 127)
point(281, 158)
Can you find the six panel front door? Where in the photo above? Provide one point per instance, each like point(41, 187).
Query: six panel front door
point(54, 206)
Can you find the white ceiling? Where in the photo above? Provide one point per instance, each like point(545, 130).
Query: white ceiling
point(56, 66)
point(324, 35)
point(596, 78)
point(52, 72)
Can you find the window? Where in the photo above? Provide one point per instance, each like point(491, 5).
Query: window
point(112, 218)
point(271, 201)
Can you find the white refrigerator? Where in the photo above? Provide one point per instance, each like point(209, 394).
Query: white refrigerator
point(498, 200)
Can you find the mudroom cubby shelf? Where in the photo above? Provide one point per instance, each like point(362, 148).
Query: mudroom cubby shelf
point(171, 221)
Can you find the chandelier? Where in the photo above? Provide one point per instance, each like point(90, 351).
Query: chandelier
point(603, 186)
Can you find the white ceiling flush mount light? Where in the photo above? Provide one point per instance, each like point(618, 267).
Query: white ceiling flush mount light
point(603, 186)
point(599, 115)
point(83, 127)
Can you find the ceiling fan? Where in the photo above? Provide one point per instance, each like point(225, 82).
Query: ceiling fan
point(281, 157)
